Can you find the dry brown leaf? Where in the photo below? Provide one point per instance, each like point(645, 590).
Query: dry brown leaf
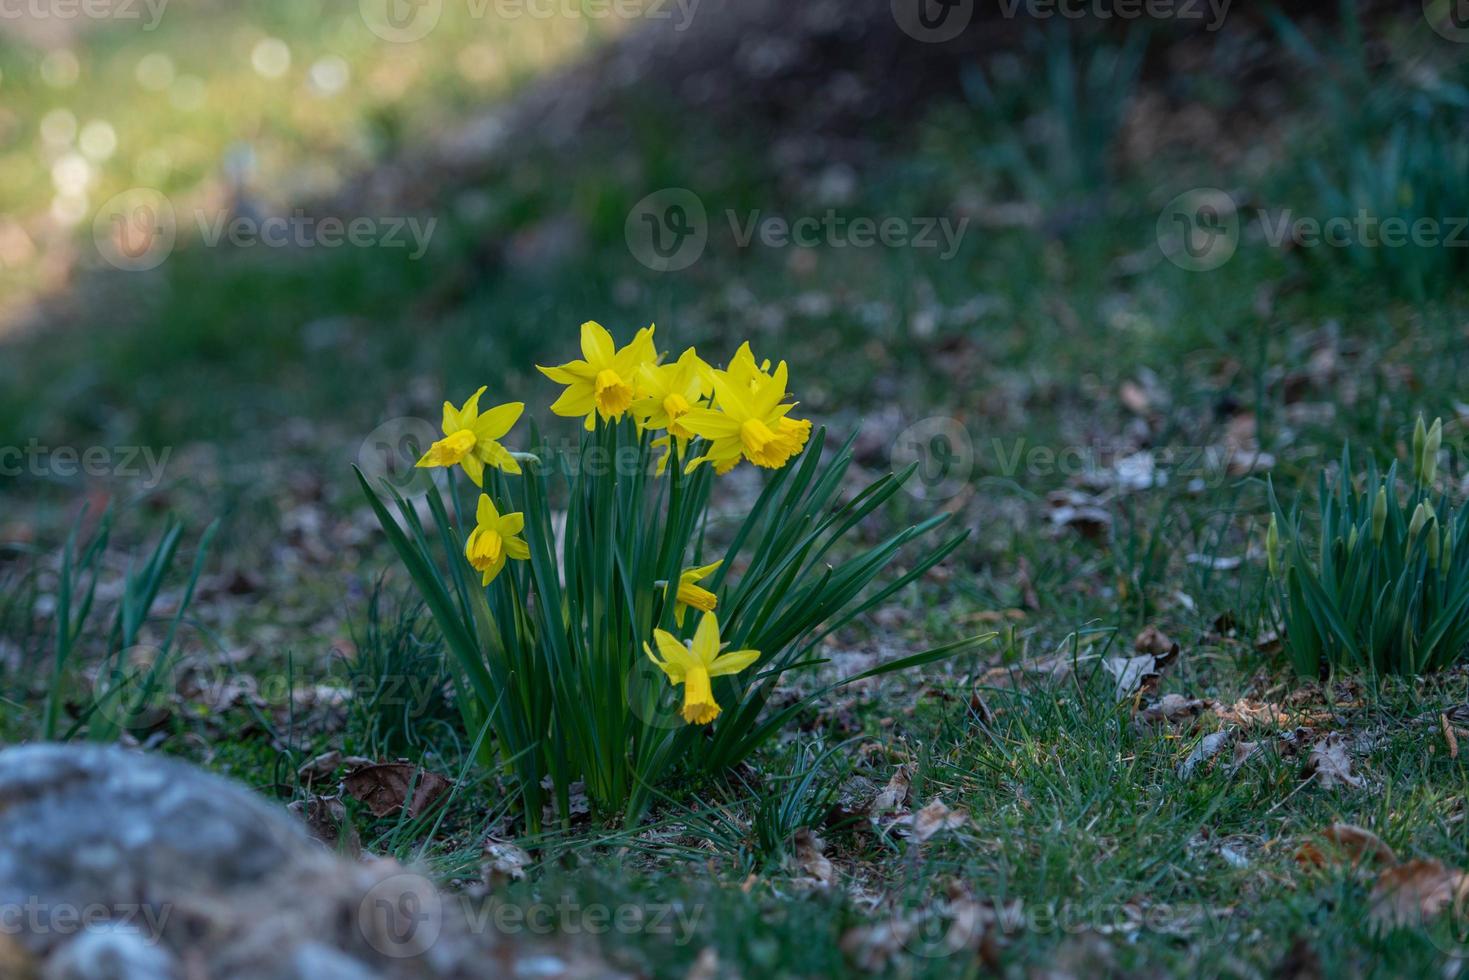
point(1171, 709)
point(1331, 765)
point(931, 820)
point(813, 862)
point(1130, 673)
point(1360, 846)
point(1253, 713)
point(1154, 641)
point(1243, 752)
point(1449, 737)
point(869, 948)
point(326, 818)
point(1207, 748)
point(894, 796)
point(1412, 893)
point(325, 765)
point(385, 786)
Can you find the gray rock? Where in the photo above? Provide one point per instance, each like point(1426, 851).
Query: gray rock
point(112, 953)
point(116, 865)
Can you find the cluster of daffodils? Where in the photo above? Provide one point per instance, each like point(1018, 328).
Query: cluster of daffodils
point(730, 415)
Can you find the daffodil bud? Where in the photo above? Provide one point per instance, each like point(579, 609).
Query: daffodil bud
point(1420, 439)
point(1420, 518)
point(1433, 541)
point(1352, 540)
point(1272, 548)
point(1431, 446)
point(1379, 515)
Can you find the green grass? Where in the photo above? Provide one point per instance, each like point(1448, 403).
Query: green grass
point(277, 370)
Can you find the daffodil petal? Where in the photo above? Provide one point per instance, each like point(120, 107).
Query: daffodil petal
point(485, 511)
point(710, 424)
point(733, 662)
point(498, 420)
point(596, 344)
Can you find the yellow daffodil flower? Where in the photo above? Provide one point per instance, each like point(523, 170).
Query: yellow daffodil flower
point(605, 382)
point(750, 423)
point(691, 593)
point(745, 371)
point(666, 394)
point(695, 665)
point(494, 539)
point(471, 440)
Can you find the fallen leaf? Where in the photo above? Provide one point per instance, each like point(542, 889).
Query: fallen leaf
point(504, 862)
point(1207, 748)
point(809, 856)
point(1080, 511)
point(1359, 845)
point(1253, 714)
point(1130, 673)
point(1154, 641)
point(1243, 752)
point(1331, 765)
point(325, 765)
point(931, 820)
point(326, 818)
point(1449, 737)
point(1172, 708)
point(1411, 893)
point(870, 947)
point(385, 786)
point(894, 796)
